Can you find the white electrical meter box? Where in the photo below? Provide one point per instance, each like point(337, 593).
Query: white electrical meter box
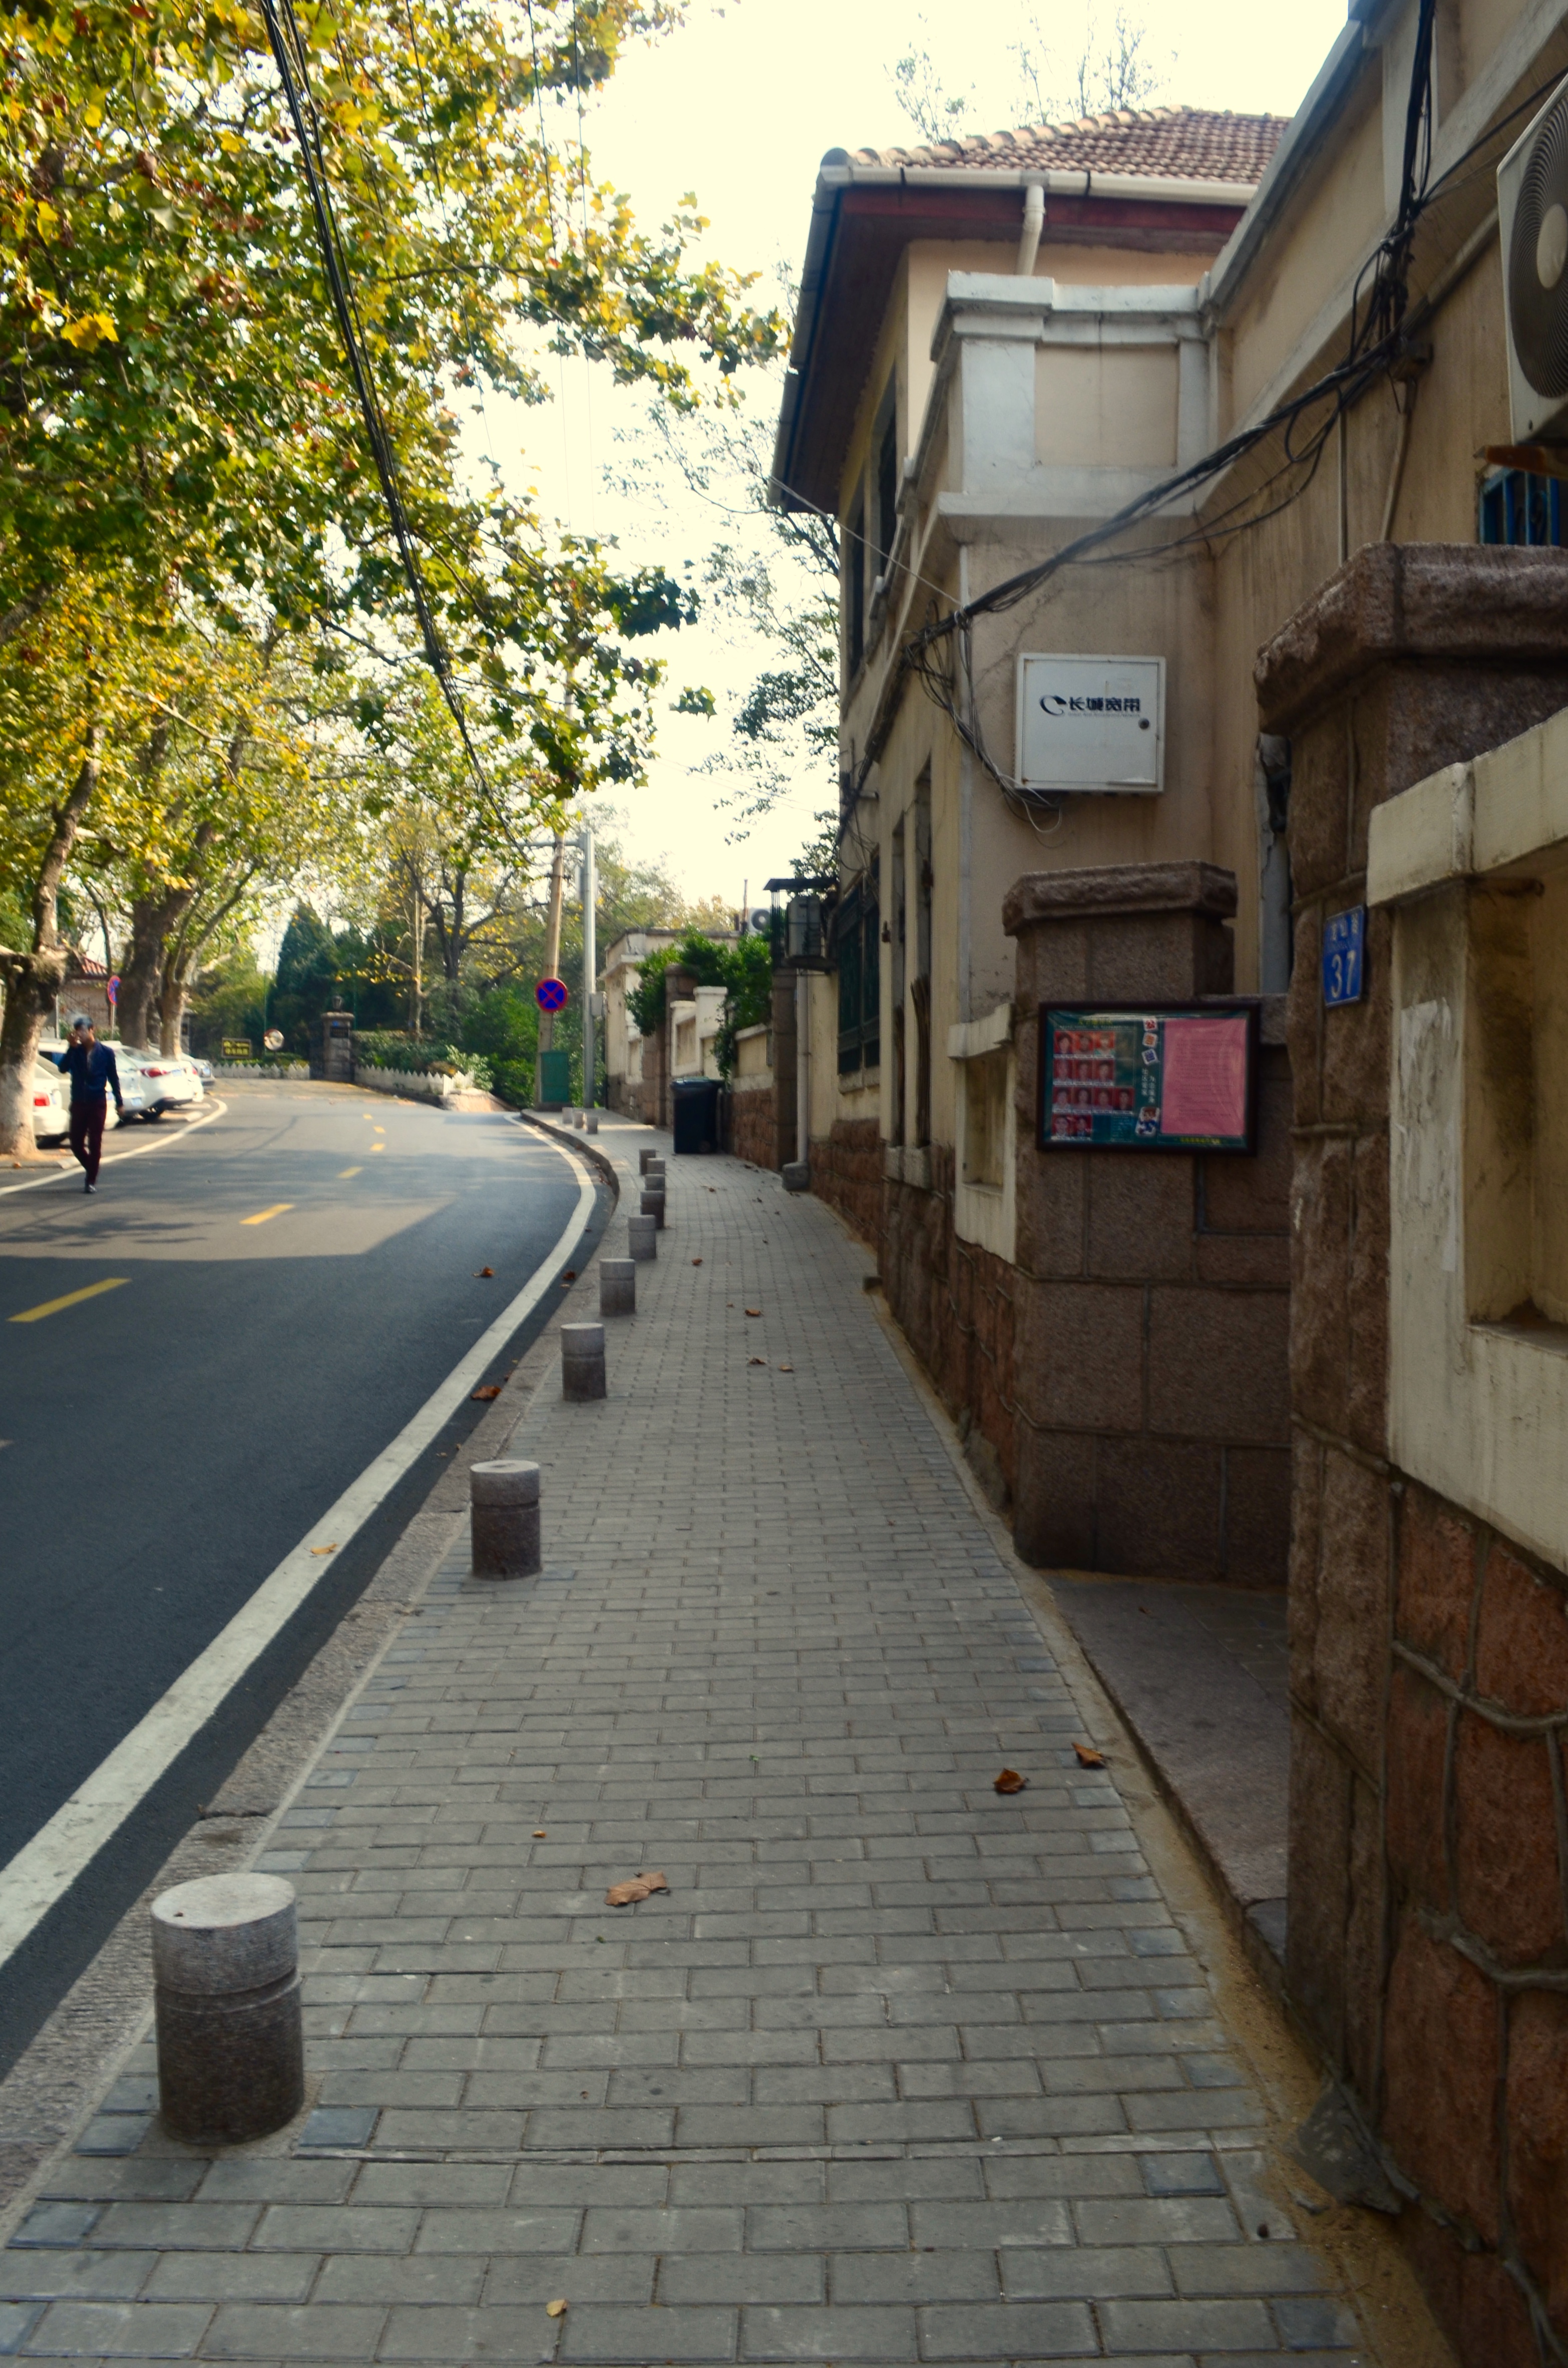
point(1091, 724)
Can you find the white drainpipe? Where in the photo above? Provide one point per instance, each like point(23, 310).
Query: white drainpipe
point(1034, 223)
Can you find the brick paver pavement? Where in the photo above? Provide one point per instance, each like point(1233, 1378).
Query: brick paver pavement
point(898, 2070)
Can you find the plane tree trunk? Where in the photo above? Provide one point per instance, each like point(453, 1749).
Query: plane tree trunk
point(34, 974)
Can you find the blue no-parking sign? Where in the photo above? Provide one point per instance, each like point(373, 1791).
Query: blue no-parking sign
point(551, 995)
point(1345, 956)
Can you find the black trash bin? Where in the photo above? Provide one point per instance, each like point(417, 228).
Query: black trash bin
point(696, 1115)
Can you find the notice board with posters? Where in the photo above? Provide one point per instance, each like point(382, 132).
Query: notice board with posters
point(1153, 1077)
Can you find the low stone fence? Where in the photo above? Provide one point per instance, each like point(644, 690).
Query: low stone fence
point(260, 1068)
point(414, 1085)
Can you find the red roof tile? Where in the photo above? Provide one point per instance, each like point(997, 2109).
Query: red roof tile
point(1174, 144)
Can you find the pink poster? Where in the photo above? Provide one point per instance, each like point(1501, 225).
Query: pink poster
point(1204, 1075)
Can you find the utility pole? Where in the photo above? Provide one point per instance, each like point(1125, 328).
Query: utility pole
point(551, 960)
point(590, 967)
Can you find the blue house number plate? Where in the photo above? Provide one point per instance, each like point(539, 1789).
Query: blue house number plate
point(1344, 956)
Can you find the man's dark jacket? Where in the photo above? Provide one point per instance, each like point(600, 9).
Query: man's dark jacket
point(92, 1071)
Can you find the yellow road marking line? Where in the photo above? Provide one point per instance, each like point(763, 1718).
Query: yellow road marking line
point(262, 1215)
point(349, 1171)
point(381, 1129)
point(72, 1299)
point(378, 1146)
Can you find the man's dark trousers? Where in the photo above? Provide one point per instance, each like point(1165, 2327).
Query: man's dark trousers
point(87, 1117)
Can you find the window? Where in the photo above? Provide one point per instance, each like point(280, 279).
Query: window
point(858, 944)
point(985, 1118)
point(855, 583)
point(1518, 506)
point(887, 481)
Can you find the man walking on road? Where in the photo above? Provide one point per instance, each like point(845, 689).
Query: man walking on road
point(94, 1077)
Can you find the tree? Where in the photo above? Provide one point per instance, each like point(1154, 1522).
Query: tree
point(174, 388)
point(177, 422)
point(772, 577)
point(1112, 69)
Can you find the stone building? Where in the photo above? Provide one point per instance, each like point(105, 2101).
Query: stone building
point(1339, 1351)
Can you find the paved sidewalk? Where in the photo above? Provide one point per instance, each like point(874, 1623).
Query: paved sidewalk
point(898, 2070)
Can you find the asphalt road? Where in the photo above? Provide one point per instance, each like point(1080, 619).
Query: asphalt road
point(290, 1284)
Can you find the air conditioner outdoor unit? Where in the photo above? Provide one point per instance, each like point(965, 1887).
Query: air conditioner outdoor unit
point(1532, 211)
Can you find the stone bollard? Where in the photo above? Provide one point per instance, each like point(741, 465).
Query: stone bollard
point(226, 1987)
point(642, 1237)
point(618, 1287)
point(655, 1173)
point(503, 1520)
point(654, 1206)
point(593, 1122)
point(582, 1361)
point(579, 1120)
point(796, 1176)
point(645, 1159)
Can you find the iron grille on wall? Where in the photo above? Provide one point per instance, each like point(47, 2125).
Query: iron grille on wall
point(856, 945)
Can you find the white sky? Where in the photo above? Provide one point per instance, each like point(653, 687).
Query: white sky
point(740, 106)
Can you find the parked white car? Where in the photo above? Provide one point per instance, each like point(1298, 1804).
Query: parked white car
point(172, 1081)
point(51, 1103)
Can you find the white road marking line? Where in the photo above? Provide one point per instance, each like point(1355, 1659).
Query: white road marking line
point(44, 1869)
point(113, 1158)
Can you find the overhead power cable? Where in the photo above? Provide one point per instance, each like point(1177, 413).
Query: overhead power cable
point(288, 57)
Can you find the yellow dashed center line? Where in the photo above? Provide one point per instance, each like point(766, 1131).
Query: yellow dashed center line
point(378, 1146)
point(262, 1215)
point(349, 1171)
point(72, 1299)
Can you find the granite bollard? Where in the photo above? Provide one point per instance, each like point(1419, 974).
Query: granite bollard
point(642, 1237)
point(645, 1159)
point(503, 1520)
point(581, 1361)
point(654, 1206)
point(226, 1991)
point(618, 1287)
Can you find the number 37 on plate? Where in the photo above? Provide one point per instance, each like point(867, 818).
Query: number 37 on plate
point(1344, 956)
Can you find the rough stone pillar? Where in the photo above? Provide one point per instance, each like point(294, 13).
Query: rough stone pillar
point(226, 1987)
point(1151, 1431)
point(1414, 1823)
point(503, 1520)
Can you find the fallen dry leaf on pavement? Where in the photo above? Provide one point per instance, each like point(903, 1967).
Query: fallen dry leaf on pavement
point(1088, 1757)
point(757, 1360)
point(1009, 1781)
point(486, 1390)
point(555, 2310)
point(641, 1887)
point(698, 1261)
point(570, 1275)
point(540, 1833)
point(325, 1550)
point(753, 1311)
point(786, 1368)
point(479, 1270)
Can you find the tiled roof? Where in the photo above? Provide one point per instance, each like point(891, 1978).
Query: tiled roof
point(1173, 143)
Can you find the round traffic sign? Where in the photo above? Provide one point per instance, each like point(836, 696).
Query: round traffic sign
point(273, 1039)
point(111, 988)
point(551, 995)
